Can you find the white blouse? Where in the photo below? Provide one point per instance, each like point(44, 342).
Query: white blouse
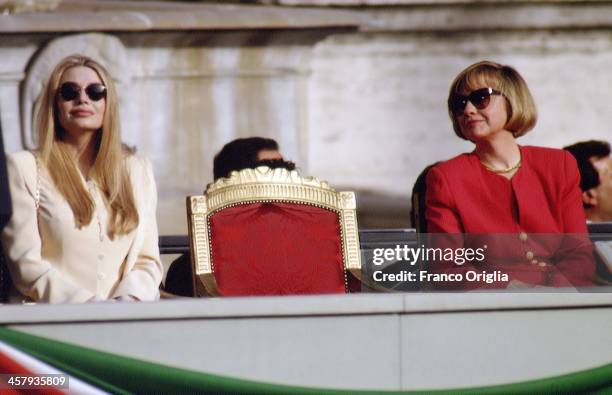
point(50, 260)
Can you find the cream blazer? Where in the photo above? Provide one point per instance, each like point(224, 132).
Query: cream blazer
point(52, 261)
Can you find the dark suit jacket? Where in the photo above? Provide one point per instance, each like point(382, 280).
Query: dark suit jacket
point(5, 215)
point(5, 196)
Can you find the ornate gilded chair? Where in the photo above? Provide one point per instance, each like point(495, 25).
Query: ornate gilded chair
point(272, 232)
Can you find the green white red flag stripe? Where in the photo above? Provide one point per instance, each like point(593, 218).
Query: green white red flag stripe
point(16, 362)
point(125, 375)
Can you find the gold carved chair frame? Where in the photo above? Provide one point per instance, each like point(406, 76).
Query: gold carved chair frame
point(265, 185)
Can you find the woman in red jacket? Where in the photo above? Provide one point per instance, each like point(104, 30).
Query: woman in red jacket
point(516, 192)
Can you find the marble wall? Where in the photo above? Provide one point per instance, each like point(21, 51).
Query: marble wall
point(364, 110)
point(183, 96)
point(377, 101)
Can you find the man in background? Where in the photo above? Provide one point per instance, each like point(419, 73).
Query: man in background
point(595, 166)
point(248, 153)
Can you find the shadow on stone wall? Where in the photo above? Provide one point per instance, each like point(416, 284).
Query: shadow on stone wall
point(380, 210)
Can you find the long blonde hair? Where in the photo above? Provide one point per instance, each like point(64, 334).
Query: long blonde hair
point(108, 170)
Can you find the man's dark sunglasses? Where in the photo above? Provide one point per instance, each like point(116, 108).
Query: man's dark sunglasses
point(69, 91)
point(480, 98)
point(276, 163)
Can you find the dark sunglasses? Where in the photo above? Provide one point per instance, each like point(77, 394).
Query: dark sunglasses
point(480, 98)
point(69, 91)
point(276, 163)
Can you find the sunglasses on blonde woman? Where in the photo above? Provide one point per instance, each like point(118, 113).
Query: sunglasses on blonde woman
point(69, 91)
point(480, 98)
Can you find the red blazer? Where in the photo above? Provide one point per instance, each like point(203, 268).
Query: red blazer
point(543, 197)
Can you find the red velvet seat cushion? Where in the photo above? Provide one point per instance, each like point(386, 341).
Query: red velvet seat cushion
point(276, 249)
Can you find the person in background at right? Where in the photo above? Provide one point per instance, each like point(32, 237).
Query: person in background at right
point(595, 166)
point(507, 193)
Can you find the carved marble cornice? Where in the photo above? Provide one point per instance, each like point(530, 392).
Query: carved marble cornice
point(117, 15)
point(27, 6)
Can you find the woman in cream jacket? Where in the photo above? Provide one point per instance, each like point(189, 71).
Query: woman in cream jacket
point(83, 226)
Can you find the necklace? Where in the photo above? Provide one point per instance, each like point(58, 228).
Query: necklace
point(506, 170)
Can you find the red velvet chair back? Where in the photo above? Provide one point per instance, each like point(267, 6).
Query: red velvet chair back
point(271, 232)
point(277, 248)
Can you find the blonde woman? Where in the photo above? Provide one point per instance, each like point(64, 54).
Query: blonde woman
point(83, 226)
point(511, 192)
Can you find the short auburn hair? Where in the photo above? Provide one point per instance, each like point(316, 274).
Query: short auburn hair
point(522, 112)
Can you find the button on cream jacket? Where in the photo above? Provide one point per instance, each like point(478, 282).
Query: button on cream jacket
point(50, 260)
